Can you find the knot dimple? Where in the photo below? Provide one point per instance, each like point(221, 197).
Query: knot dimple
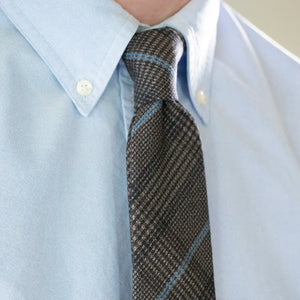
point(151, 58)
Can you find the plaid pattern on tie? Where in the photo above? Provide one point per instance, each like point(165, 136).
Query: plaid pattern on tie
point(170, 238)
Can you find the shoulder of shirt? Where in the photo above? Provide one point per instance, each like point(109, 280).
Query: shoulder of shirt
point(241, 44)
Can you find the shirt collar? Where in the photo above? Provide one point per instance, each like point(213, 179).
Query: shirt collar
point(84, 40)
point(197, 22)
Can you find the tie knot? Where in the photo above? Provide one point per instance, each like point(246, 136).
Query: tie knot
point(151, 58)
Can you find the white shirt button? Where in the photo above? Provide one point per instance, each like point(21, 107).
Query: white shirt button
point(84, 87)
point(201, 97)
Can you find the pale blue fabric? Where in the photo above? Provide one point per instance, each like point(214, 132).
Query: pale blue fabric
point(64, 229)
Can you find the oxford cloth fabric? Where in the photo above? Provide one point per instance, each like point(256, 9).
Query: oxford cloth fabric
point(171, 245)
point(64, 224)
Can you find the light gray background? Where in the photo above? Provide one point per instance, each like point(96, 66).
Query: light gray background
point(280, 19)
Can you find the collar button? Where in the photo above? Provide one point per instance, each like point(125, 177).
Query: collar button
point(201, 97)
point(84, 87)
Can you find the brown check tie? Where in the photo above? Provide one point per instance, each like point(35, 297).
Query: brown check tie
point(170, 237)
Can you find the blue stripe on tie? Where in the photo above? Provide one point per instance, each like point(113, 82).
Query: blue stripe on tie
point(177, 275)
point(148, 114)
point(151, 58)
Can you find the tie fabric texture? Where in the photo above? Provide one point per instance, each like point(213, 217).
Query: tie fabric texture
point(170, 236)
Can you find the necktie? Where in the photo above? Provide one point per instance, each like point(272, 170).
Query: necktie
point(170, 238)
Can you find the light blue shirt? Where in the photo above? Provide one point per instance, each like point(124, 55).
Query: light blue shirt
point(66, 102)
